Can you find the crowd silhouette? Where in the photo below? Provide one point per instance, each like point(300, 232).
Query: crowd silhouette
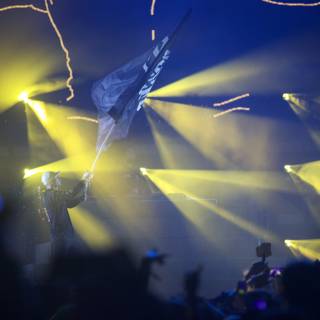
point(111, 286)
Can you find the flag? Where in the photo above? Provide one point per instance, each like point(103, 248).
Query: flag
point(122, 93)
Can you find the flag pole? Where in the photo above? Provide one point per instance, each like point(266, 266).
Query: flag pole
point(93, 166)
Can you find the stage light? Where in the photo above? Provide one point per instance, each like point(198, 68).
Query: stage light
point(94, 233)
point(286, 96)
point(206, 181)
point(309, 248)
point(76, 165)
point(23, 96)
point(36, 106)
point(64, 133)
point(308, 173)
point(175, 182)
point(45, 87)
point(257, 71)
point(217, 138)
point(29, 172)
point(144, 171)
point(26, 173)
point(288, 168)
point(306, 107)
point(288, 243)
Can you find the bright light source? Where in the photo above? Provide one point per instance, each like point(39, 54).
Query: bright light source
point(288, 168)
point(23, 96)
point(309, 248)
point(28, 173)
point(288, 243)
point(144, 171)
point(286, 96)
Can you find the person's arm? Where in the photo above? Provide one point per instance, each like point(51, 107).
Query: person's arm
point(76, 195)
point(79, 192)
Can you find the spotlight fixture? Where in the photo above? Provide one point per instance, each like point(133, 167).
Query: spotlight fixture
point(29, 172)
point(286, 96)
point(288, 243)
point(23, 96)
point(288, 168)
point(144, 171)
point(26, 173)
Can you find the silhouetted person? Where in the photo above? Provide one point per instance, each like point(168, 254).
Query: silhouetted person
point(54, 204)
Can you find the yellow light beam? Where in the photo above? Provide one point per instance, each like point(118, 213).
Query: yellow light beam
point(306, 179)
point(308, 172)
point(190, 210)
point(307, 111)
point(185, 119)
point(207, 179)
point(256, 71)
point(39, 109)
point(63, 132)
point(93, 233)
point(152, 10)
point(65, 50)
point(307, 248)
point(223, 113)
point(197, 126)
point(223, 103)
point(126, 212)
point(28, 173)
point(169, 153)
point(292, 4)
point(75, 164)
point(44, 87)
point(250, 227)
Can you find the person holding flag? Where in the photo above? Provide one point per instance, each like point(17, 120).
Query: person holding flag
point(53, 207)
